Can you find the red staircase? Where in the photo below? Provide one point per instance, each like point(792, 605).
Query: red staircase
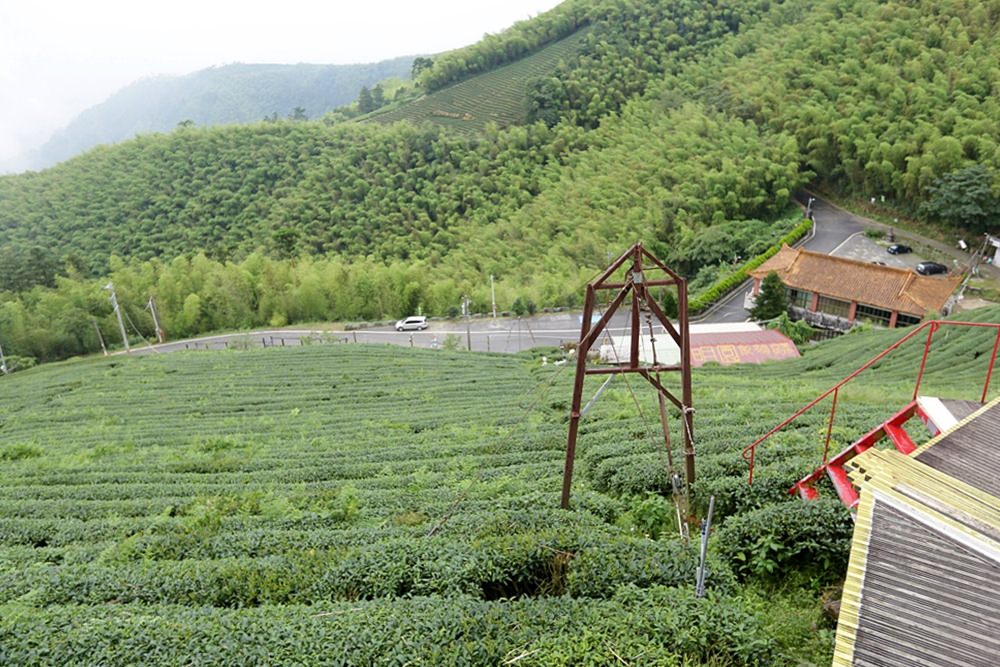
point(834, 467)
point(892, 429)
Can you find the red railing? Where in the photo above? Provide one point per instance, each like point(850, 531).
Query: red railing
point(749, 452)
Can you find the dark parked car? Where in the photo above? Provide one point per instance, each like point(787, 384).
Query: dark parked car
point(931, 268)
point(899, 249)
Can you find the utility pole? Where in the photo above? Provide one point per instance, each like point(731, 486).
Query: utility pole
point(118, 313)
point(161, 336)
point(3, 363)
point(100, 337)
point(493, 294)
point(468, 325)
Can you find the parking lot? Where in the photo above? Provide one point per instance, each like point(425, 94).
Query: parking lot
point(864, 249)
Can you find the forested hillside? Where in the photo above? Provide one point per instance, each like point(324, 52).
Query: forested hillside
point(686, 125)
point(239, 93)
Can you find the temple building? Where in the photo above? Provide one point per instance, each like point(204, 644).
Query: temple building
point(837, 293)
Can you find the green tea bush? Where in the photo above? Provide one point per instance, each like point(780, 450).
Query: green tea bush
point(599, 572)
point(716, 627)
point(632, 475)
point(775, 541)
point(662, 627)
point(734, 495)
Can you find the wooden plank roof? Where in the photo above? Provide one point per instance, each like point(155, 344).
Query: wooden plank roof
point(885, 287)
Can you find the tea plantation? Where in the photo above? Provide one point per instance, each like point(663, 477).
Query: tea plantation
point(357, 505)
point(499, 96)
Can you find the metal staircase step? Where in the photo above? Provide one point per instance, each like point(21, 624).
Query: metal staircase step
point(843, 485)
point(900, 438)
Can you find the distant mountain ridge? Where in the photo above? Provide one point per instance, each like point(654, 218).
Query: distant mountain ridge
point(228, 94)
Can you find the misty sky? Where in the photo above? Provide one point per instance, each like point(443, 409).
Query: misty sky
point(59, 57)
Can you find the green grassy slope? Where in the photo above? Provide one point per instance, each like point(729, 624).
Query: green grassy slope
point(499, 96)
point(348, 504)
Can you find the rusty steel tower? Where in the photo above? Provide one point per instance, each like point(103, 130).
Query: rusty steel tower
point(626, 278)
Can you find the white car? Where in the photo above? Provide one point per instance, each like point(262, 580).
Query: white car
point(413, 323)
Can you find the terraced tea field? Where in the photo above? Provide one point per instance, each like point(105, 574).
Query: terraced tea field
point(498, 96)
point(373, 505)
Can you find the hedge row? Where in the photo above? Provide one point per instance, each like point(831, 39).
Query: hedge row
point(734, 495)
point(724, 285)
point(658, 627)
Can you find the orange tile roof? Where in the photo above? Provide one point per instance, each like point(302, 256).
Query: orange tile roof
point(841, 278)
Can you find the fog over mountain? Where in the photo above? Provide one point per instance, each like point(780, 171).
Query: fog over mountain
point(238, 93)
point(59, 58)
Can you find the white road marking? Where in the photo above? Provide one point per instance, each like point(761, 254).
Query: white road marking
point(845, 241)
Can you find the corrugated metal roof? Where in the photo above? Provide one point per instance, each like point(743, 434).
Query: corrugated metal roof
point(923, 585)
point(928, 599)
point(960, 409)
point(969, 452)
point(850, 280)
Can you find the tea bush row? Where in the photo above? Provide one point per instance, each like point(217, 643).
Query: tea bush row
point(548, 563)
point(659, 627)
point(776, 541)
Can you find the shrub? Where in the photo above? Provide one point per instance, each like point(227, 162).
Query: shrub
point(19, 363)
point(734, 495)
point(650, 516)
point(707, 629)
point(18, 452)
point(659, 627)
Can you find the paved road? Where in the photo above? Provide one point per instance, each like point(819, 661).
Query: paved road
point(504, 334)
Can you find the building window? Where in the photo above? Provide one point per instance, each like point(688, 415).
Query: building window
point(800, 299)
point(907, 320)
point(832, 306)
point(872, 314)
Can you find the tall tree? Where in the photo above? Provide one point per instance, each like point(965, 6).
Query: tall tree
point(965, 198)
point(772, 300)
point(366, 102)
point(420, 64)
